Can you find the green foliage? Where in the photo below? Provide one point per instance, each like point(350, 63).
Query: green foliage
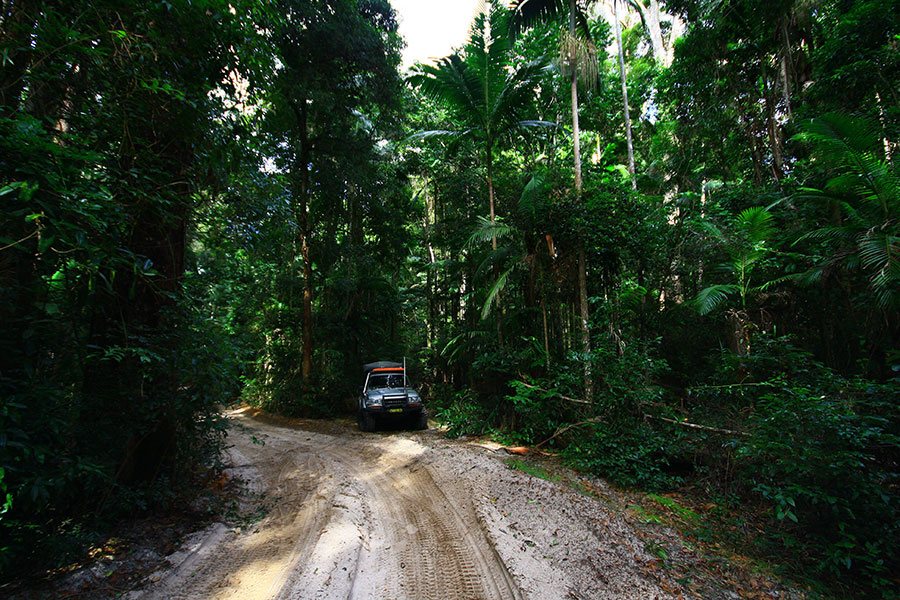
point(817, 451)
point(866, 188)
point(459, 412)
point(109, 374)
point(172, 239)
point(818, 456)
point(747, 248)
point(815, 457)
point(632, 454)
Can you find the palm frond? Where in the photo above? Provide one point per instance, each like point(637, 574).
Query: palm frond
point(812, 276)
point(757, 222)
point(778, 280)
point(527, 13)
point(434, 133)
point(815, 194)
point(495, 291)
point(486, 231)
point(579, 53)
point(510, 100)
point(827, 234)
point(881, 253)
point(459, 343)
point(494, 259)
point(711, 297)
point(534, 193)
point(451, 82)
point(834, 134)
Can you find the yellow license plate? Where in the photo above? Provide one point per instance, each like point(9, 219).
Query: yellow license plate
point(395, 410)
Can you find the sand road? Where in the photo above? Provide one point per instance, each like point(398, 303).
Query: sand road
point(399, 516)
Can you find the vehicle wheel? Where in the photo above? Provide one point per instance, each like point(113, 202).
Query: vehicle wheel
point(365, 420)
point(420, 421)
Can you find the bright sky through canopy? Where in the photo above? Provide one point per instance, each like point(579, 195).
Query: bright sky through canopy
point(432, 28)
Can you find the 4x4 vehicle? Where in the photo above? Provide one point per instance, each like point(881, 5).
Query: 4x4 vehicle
point(386, 393)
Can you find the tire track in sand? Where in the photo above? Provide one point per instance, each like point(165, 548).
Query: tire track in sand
point(352, 516)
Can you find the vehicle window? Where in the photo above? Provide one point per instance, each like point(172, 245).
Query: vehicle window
point(386, 381)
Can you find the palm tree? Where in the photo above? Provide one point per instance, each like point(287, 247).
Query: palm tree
point(864, 193)
point(486, 99)
point(747, 246)
point(578, 55)
point(626, 111)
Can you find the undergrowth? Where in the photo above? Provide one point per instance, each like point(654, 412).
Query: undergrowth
point(791, 462)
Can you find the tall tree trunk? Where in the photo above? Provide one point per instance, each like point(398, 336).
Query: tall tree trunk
point(490, 184)
point(576, 132)
point(585, 325)
point(649, 10)
point(624, 93)
point(773, 128)
point(787, 68)
point(546, 336)
point(573, 85)
point(302, 196)
point(582, 278)
point(431, 284)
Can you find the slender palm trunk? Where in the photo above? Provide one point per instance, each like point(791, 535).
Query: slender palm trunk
point(624, 93)
point(585, 324)
point(582, 270)
point(573, 84)
point(576, 133)
point(490, 184)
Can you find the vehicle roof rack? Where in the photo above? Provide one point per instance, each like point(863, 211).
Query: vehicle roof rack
point(382, 365)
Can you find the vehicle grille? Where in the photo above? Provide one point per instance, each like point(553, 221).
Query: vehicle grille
point(395, 400)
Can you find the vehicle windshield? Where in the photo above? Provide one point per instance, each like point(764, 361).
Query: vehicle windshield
point(386, 381)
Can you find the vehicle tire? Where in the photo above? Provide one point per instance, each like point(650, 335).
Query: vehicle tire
point(420, 421)
point(365, 420)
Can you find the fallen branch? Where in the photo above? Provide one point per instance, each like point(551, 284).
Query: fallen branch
point(566, 398)
point(29, 236)
point(696, 426)
point(730, 385)
point(567, 428)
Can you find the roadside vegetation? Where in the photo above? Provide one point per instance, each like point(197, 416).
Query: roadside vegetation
point(689, 284)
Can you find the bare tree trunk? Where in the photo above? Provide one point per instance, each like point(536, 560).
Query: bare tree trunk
point(585, 325)
point(546, 337)
point(576, 133)
point(302, 114)
point(431, 283)
point(787, 70)
point(573, 85)
point(618, 28)
point(649, 10)
point(773, 129)
point(490, 183)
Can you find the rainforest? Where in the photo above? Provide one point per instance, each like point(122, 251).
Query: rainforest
point(657, 239)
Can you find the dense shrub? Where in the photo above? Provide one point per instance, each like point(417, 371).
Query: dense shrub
point(826, 461)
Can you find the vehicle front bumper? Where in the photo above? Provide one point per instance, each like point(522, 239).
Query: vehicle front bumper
point(395, 410)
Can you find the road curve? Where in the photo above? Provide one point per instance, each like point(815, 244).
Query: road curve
point(350, 515)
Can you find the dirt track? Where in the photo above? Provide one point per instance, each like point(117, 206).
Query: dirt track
point(396, 516)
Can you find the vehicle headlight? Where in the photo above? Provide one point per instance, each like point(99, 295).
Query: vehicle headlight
point(413, 399)
point(373, 400)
